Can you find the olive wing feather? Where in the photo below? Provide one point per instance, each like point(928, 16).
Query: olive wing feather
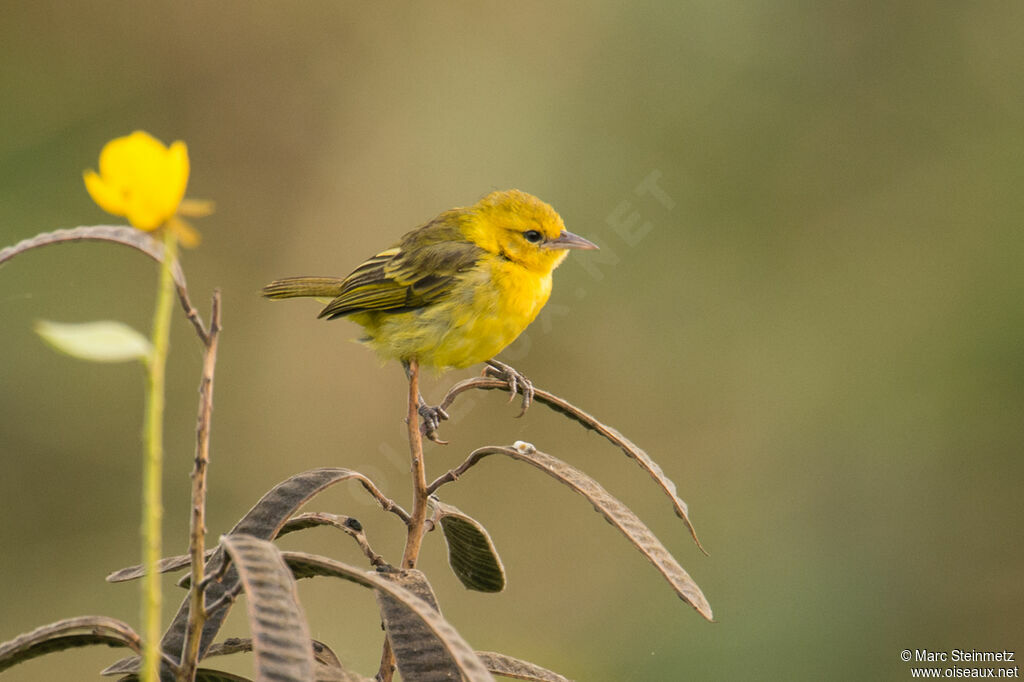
point(408, 276)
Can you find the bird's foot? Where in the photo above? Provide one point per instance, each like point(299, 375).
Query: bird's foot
point(432, 417)
point(517, 382)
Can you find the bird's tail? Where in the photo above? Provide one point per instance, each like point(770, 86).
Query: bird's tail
point(294, 287)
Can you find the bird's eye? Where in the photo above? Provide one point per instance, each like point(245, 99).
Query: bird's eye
point(532, 236)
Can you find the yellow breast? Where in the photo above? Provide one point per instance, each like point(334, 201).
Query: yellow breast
point(491, 306)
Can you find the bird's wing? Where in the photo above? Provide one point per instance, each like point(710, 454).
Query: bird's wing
point(410, 275)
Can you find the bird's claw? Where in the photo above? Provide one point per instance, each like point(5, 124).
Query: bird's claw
point(432, 417)
point(516, 380)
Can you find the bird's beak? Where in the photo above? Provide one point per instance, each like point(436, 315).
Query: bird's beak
point(568, 240)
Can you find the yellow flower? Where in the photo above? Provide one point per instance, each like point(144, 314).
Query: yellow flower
point(144, 181)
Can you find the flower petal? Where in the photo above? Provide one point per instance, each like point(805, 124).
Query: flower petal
point(177, 170)
point(196, 208)
point(126, 158)
point(188, 236)
point(107, 197)
point(142, 216)
point(141, 179)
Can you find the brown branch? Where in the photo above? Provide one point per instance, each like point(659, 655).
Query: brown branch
point(197, 530)
point(414, 537)
point(417, 522)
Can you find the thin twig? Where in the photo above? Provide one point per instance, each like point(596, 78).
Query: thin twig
point(454, 474)
point(206, 336)
point(217, 574)
point(385, 502)
point(347, 524)
point(197, 530)
point(226, 599)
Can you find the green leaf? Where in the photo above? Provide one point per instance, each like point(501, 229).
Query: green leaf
point(104, 341)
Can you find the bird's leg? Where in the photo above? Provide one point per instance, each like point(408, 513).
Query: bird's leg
point(517, 382)
point(432, 416)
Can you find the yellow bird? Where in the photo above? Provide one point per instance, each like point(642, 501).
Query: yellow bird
point(453, 292)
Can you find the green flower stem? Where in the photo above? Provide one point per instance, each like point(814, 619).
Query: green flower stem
point(152, 502)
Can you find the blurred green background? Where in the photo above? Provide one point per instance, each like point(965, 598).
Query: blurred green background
point(815, 326)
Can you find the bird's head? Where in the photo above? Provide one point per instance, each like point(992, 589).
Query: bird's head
point(522, 228)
